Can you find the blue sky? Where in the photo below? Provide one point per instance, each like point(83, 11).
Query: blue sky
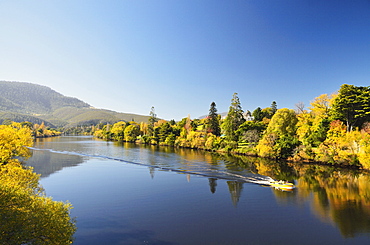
point(179, 56)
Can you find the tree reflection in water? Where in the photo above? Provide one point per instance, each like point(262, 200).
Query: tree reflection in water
point(336, 195)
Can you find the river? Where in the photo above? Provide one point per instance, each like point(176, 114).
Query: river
point(131, 194)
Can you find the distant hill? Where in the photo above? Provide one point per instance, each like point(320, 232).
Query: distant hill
point(30, 98)
point(35, 103)
point(223, 115)
point(17, 117)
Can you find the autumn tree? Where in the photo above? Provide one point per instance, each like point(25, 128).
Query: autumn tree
point(234, 119)
point(311, 130)
point(312, 126)
point(213, 124)
point(118, 131)
point(14, 140)
point(321, 105)
point(28, 216)
point(335, 147)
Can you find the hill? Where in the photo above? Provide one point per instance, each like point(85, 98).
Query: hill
point(21, 101)
point(28, 98)
point(223, 115)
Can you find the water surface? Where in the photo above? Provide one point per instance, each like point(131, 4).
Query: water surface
point(130, 194)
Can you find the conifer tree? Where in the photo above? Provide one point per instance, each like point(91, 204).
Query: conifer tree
point(352, 105)
point(234, 119)
point(152, 119)
point(213, 121)
point(273, 108)
point(257, 114)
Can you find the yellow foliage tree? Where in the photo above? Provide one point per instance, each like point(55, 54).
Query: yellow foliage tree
point(118, 131)
point(364, 154)
point(13, 139)
point(340, 146)
point(279, 136)
point(28, 216)
point(131, 133)
point(321, 105)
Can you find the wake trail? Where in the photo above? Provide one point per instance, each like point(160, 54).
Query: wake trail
point(256, 179)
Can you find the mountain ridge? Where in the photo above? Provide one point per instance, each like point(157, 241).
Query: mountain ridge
point(24, 101)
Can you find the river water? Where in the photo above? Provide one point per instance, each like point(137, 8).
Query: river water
point(130, 194)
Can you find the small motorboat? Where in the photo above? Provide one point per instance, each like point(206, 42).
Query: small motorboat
point(283, 185)
point(268, 181)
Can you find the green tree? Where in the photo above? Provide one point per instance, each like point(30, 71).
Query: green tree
point(250, 132)
point(164, 131)
point(195, 123)
point(352, 106)
point(234, 119)
point(213, 123)
point(311, 129)
point(273, 108)
point(131, 132)
point(279, 139)
point(152, 119)
point(258, 114)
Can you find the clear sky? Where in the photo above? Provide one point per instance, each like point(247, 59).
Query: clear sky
point(179, 56)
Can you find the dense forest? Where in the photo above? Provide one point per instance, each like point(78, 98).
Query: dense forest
point(335, 129)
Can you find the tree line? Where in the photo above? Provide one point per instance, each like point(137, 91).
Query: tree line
point(334, 129)
point(37, 130)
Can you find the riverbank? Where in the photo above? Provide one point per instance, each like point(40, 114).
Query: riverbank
point(252, 153)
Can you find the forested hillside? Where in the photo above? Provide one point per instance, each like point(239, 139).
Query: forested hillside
point(21, 102)
point(30, 98)
point(17, 117)
point(72, 116)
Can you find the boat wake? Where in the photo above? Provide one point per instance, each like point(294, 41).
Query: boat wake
point(201, 171)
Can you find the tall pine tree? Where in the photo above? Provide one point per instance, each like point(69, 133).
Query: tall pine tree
point(234, 119)
point(152, 119)
point(213, 124)
point(273, 108)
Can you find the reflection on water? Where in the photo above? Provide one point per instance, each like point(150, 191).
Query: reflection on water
point(235, 189)
point(45, 163)
point(336, 196)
